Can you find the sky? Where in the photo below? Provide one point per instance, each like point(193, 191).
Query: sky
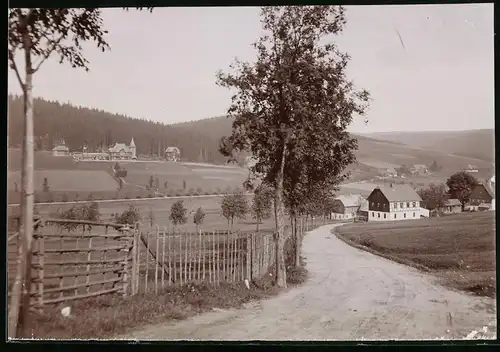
point(162, 65)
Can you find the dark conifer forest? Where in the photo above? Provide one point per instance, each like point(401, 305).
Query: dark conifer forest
point(79, 126)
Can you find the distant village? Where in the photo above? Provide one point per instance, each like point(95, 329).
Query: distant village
point(120, 151)
point(401, 202)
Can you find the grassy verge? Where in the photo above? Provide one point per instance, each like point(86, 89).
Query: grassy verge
point(458, 249)
point(108, 316)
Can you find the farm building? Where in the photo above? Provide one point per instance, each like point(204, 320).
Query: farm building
point(347, 206)
point(483, 194)
point(394, 202)
point(419, 169)
point(121, 151)
point(391, 172)
point(172, 154)
point(60, 150)
point(451, 206)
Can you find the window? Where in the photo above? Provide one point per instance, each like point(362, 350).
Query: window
point(384, 206)
point(413, 214)
point(378, 215)
point(394, 216)
point(385, 216)
point(373, 204)
point(401, 205)
point(407, 204)
point(395, 205)
point(373, 214)
point(414, 204)
point(404, 215)
point(378, 205)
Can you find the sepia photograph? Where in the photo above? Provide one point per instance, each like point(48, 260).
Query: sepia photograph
point(238, 173)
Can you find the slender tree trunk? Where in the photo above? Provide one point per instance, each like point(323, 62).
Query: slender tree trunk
point(27, 203)
point(258, 222)
point(280, 224)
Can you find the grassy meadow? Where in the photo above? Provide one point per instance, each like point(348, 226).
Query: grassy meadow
point(459, 249)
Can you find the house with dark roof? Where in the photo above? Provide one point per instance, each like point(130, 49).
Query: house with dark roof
point(451, 206)
point(482, 196)
point(395, 202)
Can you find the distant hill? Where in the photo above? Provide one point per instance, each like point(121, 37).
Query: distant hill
point(199, 140)
point(479, 144)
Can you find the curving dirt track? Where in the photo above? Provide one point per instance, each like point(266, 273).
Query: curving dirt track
point(350, 295)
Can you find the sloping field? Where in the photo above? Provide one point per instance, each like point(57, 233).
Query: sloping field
point(43, 161)
point(68, 180)
point(161, 211)
point(459, 249)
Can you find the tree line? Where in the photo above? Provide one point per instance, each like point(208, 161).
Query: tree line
point(458, 186)
point(97, 129)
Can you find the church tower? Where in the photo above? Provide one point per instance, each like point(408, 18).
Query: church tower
point(133, 149)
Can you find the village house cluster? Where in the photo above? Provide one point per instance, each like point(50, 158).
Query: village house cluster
point(401, 202)
point(120, 151)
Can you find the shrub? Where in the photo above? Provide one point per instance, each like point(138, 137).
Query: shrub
point(199, 190)
point(178, 213)
point(129, 216)
point(88, 212)
point(198, 217)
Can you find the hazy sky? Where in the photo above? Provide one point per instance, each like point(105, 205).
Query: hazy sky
point(162, 65)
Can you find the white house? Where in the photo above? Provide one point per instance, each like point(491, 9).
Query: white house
point(121, 151)
point(395, 202)
point(60, 150)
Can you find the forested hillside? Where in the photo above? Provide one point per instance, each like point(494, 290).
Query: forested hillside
point(199, 140)
point(96, 128)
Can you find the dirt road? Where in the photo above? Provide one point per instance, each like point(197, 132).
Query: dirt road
point(351, 295)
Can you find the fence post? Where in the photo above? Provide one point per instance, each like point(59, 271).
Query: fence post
point(234, 270)
point(170, 279)
point(125, 266)
point(204, 256)
point(41, 254)
point(157, 257)
point(190, 265)
point(213, 257)
point(164, 237)
point(147, 260)
point(134, 263)
point(198, 272)
point(185, 235)
point(218, 258)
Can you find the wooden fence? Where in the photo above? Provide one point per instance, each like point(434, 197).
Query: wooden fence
point(76, 259)
point(73, 259)
point(165, 258)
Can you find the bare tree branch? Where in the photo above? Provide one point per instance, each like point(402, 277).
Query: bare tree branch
point(49, 51)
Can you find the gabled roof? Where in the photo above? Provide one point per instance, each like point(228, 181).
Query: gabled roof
point(489, 189)
point(172, 150)
point(351, 200)
point(399, 193)
point(61, 148)
point(453, 202)
point(119, 146)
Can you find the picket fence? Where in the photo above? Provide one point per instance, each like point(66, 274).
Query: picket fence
point(73, 259)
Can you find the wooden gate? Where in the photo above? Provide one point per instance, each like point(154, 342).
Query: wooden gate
point(73, 259)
